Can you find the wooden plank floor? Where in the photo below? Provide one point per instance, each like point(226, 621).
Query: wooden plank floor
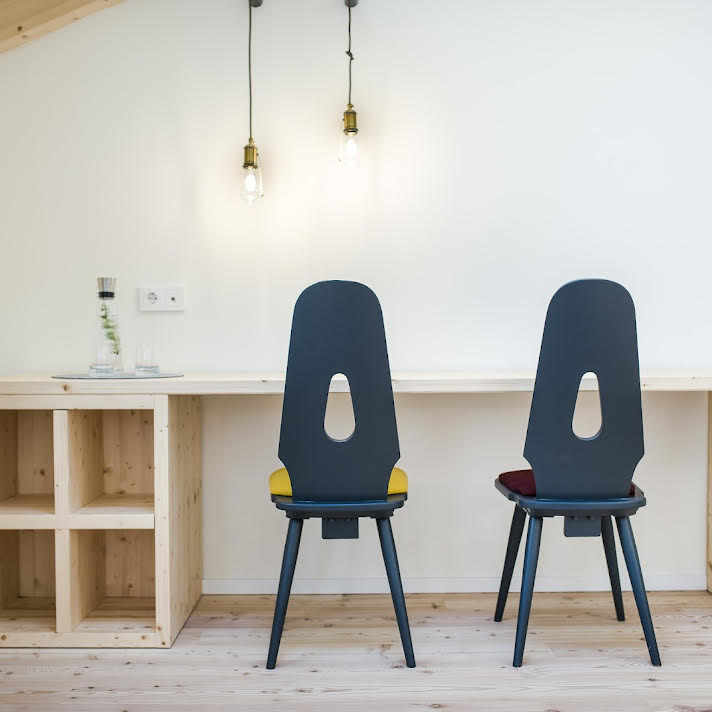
point(343, 653)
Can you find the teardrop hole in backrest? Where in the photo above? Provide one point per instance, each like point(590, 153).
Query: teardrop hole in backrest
point(339, 421)
point(587, 420)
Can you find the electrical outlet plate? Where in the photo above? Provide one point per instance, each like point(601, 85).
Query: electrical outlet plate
point(161, 298)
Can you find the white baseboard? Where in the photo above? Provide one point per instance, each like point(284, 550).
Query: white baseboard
point(659, 582)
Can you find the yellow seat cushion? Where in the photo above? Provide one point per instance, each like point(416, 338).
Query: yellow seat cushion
point(280, 484)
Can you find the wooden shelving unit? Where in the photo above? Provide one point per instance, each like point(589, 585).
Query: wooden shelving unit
point(100, 520)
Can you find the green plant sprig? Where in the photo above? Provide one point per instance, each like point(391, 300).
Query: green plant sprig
point(110, 329)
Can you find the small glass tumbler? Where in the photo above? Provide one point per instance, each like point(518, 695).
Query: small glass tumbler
point(104, 363)
point(146, 359)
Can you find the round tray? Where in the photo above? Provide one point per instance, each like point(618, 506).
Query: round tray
point(123, 375)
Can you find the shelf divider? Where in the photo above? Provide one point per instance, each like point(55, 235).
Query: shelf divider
point(63, 576)
point(60, 426)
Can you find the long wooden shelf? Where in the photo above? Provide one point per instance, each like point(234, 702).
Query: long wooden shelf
point(492, 381)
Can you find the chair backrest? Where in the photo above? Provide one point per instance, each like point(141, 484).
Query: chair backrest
point(338, 328)
point(590, 327)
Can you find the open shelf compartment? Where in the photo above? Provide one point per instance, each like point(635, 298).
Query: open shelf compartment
point(111, 468)
point(27, 581)
point(26, 463)
point(114, 582)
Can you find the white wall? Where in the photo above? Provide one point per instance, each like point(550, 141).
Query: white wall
point(507, 148)
point(452, 532)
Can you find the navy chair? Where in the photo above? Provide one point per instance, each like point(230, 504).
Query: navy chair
point(338, 328)
point(590, 327)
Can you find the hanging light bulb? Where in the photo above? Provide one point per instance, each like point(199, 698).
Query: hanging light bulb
point(251, 188)
point(348, 147)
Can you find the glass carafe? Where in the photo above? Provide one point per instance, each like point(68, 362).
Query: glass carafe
point(107, 354)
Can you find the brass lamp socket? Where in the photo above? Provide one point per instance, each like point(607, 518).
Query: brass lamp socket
point(250, 155)
point(350, 124)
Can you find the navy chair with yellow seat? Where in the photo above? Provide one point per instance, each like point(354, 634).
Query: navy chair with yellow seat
point(590, 328)
point(337, 328)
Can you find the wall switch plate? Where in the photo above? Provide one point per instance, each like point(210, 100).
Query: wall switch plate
point(161, 298)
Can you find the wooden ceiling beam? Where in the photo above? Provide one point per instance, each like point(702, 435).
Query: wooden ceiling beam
point(24, 20)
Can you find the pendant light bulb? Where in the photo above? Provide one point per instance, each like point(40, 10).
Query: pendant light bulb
point(251, 188)
point(348, 148)
point(251, 182)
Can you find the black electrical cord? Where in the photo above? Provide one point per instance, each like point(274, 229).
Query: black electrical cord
point(249, 64)
point(350, 54)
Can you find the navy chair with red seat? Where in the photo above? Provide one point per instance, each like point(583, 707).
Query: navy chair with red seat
point(590, 328)
point(337, 328)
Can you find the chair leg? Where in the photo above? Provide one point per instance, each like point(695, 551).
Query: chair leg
point(625, 531)
point(390, 558)
point(510, 558)
point(531, 556)
point(289, 562)
point(609, 546)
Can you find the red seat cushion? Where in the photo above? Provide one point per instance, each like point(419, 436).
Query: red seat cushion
point(522, 482)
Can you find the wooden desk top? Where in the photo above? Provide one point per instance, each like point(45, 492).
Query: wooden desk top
point(266, 382)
